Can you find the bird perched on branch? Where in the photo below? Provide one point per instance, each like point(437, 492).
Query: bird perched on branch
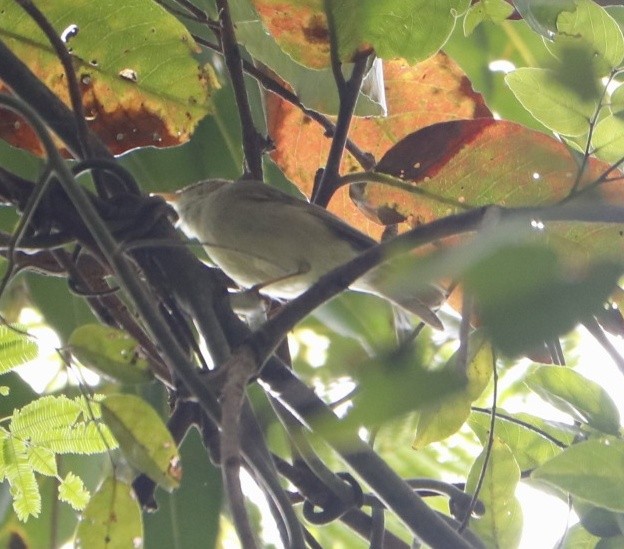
point(262, 237)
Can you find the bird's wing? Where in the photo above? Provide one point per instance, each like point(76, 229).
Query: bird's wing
point(359, 240)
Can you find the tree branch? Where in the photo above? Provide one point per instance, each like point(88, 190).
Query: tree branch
point(253, 142)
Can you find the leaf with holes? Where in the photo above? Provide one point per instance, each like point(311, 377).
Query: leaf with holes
point(140, 82)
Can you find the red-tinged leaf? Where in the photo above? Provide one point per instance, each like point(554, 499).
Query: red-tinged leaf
point(477, 162)
point(299, 28)
point(417, 96)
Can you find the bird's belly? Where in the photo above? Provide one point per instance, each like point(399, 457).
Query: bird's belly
point(279, 281)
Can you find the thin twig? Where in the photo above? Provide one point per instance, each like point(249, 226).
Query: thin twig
point(348, 92)
point(488, 449)
point(600, 336)
point(522, 423)
point(365, 159)
point(592, 125)
point(238, 371)
point(70, 74)
point(253, 143)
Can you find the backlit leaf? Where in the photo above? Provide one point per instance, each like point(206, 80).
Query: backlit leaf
point(501, 526)
point(445, 416)
point(550, 101)
point(574, 394)
point(528, 446)
point(486, 10)
point(21, 478)
point(15, 348)
point(526, 296)
point(431, 91)
point(111, 519)
point(110, 352)
point(590, 470)
point(144, 439)
point(72, 490)
point(412, 29)
point(542, 15)
point(42, 460)
point(314, 85)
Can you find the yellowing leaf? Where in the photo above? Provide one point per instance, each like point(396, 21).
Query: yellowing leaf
point(143, 438)
point(139, 80)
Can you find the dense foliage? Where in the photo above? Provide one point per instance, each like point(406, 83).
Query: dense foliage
point(485, 137)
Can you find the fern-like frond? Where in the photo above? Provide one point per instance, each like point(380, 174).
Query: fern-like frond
point(81, 438)
point(15, 349)
point(42, 460)
point(21, 477)
point(44, 414)
point(72, 490)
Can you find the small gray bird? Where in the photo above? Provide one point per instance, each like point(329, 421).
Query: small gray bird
point(260, 236)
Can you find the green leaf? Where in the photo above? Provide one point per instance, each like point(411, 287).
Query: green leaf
point(21, 478)
point(551, 101)
point(54, 422)
point(590, 470)
point(412, 29)
point(42, 460)
point(110, 352)
point(44, 414)
point(189, 517)
point(444, 417)
point(15, 348)
point(542, 15)
point(600, 522)
point(72, 490)
point(111, 519)
point(486, 10)
point(590, 24)
point(501, 526)
point(143, 438)
point(576, 395)
point(578, 537)
point(526, 296)
point(530, 449)
point(394, 385)
point(608, 138)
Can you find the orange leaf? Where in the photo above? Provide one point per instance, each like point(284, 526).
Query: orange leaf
point(417, 96)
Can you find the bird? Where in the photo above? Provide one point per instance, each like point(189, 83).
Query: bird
point(264, 238)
